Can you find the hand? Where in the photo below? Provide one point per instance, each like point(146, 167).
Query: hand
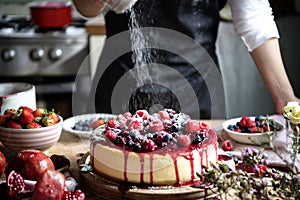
point(279, 105)
point(118, 6)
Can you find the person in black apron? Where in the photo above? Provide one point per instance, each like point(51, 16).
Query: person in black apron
point(198, 19)
point(202, 26)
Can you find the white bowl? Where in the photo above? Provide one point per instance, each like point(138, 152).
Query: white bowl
point(13, 95)
point(248, 138)
point(37, 138)
point(70, 123)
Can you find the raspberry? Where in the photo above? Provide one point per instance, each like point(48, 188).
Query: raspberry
point(192, 126)
point(111, 135)
point(112, 123)
point(164, 115)
point(134, 124)
point(156, 126)
point(142, 114)
point(227, 145)
point(254, 130)
point(204, 126)
point(184, 140)
point(149, 145)
point(243, 121)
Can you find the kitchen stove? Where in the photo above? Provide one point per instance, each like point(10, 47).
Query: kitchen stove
point(48, 58)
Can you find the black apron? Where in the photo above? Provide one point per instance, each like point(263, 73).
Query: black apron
point(197, 19)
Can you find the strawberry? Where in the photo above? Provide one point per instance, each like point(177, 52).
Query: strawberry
point(3, 119)
point(14, 125)
point(50, 119)
point(47, 121)
point(33, 125)
point(52, 115)
point(192, 126)
point(26, 117)
point(227, 145)
point(39, 112)
point(96, 123)
point(10, 112)
point(184, 140)
point(26, 108)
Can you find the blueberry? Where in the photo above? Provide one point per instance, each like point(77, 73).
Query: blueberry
point(231, 127)
point(134, 133)
point(167, 138)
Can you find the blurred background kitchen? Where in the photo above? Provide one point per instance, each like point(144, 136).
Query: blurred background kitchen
point(50, 59)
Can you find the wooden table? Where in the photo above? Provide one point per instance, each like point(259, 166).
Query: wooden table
point(73, 148)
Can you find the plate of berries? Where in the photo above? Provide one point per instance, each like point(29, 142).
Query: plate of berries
point(255, 130)
point(84, 125)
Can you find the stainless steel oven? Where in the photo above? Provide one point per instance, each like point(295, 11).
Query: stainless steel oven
point(48, 58)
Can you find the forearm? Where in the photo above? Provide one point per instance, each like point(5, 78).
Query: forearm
point(89, 8)
point(268, 60)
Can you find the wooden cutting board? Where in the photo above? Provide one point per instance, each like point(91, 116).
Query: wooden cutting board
point(103, 188)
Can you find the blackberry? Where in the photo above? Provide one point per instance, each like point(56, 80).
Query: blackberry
point(137, 147)
point(175, 127)
point(197, 139)
point(119, 140)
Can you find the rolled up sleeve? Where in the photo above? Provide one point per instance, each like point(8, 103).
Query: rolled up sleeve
point(254, 21)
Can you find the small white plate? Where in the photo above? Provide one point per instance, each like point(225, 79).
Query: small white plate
point(70, 123)
point(248, 138)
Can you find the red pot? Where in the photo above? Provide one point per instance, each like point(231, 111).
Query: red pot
point(51, 14)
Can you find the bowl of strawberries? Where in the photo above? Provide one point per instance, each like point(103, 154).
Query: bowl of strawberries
point(25, 128)
point(255, 130)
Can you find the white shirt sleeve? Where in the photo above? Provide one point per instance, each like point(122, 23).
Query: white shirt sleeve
point(253, 21)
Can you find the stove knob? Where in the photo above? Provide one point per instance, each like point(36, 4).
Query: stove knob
point(8, 54)
point(37, 54)
point(55, 54)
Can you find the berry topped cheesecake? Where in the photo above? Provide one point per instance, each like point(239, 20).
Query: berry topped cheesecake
point(165, 148)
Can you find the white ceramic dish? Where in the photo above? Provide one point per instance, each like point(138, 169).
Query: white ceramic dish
point(70, 123)
point(247, 138)
point(37, 138)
